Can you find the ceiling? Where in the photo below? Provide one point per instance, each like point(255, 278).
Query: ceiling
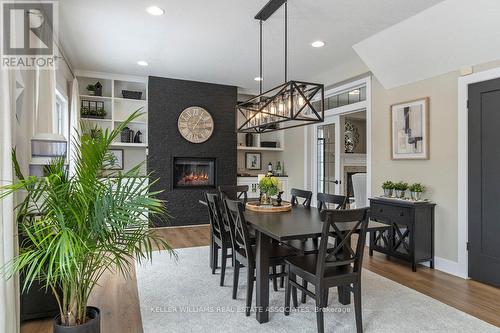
point(464, 33)
point(217, 40)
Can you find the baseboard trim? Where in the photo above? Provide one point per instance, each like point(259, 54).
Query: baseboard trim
point(447, 266)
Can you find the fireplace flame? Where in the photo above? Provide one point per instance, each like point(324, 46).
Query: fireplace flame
point(194, 178)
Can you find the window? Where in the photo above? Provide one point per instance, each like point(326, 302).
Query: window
point(61, 124)
point(351, 96)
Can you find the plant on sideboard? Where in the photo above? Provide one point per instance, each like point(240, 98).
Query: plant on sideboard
point(400, 188)
point(388, 188)
point(88, 224)
point(416, 190)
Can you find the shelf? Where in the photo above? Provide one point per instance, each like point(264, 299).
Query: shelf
point(102, 98)
point(104, 120)
point(259, 148)
point(129, 144)
point(120, 99)
point(138, 122)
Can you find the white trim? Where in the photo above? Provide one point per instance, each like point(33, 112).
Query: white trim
point(364, 105)
point(109, 76)
point(445, 265)
point(463, 171)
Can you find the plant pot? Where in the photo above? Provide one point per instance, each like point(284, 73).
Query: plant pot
point(93, 325)
point(416, 196)
point(388, 192)
point(266, 200)
point(400, 194)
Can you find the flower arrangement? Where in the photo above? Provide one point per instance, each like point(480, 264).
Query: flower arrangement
point(388, 187)
point(400, 189)
point(416, 190)
point(269, 186)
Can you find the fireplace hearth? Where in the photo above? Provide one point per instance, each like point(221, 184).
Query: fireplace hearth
point(194, 173)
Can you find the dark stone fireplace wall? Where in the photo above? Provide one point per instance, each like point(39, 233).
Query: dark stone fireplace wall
point(167, 99)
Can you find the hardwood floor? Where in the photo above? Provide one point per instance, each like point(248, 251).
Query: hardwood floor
point(119, 301)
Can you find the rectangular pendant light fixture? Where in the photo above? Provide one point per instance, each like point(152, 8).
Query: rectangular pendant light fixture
point(288, 105)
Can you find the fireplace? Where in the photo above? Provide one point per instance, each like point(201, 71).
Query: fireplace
point(194, 172)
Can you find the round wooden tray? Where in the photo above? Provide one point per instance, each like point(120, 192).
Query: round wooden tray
point(255, 206)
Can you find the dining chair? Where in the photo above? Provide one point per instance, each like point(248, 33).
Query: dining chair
point(234, 192)
point(303, 194)
point(221, 236)
point(326, 199)
point(340, 266)
point(244, 251)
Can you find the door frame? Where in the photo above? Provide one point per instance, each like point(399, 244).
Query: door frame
point(463, 164)
point(310, 146)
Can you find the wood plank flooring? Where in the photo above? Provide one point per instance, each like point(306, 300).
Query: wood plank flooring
point(119, 301)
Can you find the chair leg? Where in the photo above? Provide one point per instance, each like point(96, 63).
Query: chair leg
point(236, 277)
point(319, 311)
point(303, 296)
point(287, 294)
point(275, 279)
point(282, 279)
point(215, 257)
point(357, 307)
point(295, 301)
point(223, 265)
point(250, 278)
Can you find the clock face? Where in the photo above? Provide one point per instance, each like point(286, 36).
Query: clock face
point(195, 124)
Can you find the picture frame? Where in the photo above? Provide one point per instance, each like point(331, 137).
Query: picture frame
point(410, 130)
point(253, 161)
point(117, 163)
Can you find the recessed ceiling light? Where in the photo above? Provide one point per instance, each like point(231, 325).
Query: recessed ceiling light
point(142, 63)
point(318, 43)
point(258, 78)
point(154, 10)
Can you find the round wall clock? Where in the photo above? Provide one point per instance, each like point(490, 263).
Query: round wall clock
point(195, 124)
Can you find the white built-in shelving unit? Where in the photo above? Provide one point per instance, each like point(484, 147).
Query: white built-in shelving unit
point(119, 108)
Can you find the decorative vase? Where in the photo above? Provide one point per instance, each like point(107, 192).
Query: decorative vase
point(416, 196)
point(265, 200)
point(249, 140)
point(400, 194)
point(93, 325)
point(279, 199)
point(388, 192)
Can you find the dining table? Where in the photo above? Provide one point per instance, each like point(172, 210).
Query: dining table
point(299, 223)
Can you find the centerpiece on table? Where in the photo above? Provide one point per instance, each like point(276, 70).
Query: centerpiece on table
point(269, 187)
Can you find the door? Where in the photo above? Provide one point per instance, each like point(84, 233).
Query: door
point(484, 182)
point(326, 161)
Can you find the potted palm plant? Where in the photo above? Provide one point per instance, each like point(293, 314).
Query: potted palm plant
point(87, 224)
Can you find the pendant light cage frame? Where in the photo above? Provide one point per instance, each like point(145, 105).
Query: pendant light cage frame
point(291, 104)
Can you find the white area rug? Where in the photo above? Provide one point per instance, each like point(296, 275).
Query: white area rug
point(186, 297)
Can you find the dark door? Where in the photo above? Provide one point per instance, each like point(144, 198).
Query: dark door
point(484, 182)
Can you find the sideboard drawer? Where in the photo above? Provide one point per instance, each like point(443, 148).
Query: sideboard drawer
point(393, 212)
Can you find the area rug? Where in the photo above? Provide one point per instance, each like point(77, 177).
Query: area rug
point(183, 296)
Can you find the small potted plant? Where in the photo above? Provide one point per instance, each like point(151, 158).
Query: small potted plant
point(91, 89)
point(400, 189)
point(269, 187)
point(100, 113)
point(416, 191)
point(388, 187)
point(85, 112)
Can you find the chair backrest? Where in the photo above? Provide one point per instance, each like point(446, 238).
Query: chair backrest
point(306, 195)
point(324, 199)
point(343, 223)
point(240, 236)
point(234, 192)
point(215, 215)
point(359, 187)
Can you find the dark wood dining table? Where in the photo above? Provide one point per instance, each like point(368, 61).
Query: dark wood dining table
point(299, 223)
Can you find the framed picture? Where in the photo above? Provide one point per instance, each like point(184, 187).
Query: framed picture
point(253, 161)
point(410, 130)
point(116, 162)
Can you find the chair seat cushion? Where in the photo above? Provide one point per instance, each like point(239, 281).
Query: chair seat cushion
point(307, 263)
point(309, 246)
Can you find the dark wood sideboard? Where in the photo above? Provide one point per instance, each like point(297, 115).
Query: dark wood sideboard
point(410, 236)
